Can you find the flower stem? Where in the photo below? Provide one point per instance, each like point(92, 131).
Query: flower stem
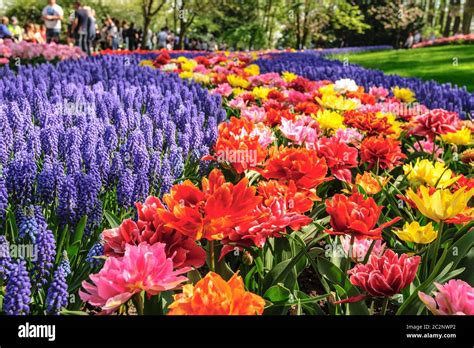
point(369, 251)
point(138, 302)
point(385, 305)
point(349, 256)
point(212, 258)
point(437, 245)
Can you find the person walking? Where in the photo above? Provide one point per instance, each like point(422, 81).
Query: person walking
point(4, 32)
point(88, 36)
point(52, 17)
point(131, 35)
point(112, 33)
point(162, 38)
point(79, 25)
point(15, 30)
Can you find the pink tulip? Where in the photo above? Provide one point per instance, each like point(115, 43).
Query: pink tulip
point(349, 136)
point(254, 113)
point(456, 297)
point(361, 247)
point(378, 92)
point(385, 275)
point(223, 89)
point(303, 130)
point(427, 146)
point(142, 268)
point(264, 134)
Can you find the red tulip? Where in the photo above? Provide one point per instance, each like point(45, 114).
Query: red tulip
point(384, 152)
point(385, 275)
point(355, 215)
point(150, 228)
point(339, 157)
point(436, 122)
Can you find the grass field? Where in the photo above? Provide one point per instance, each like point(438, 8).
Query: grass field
point(453, 64)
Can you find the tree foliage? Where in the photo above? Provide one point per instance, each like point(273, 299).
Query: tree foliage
point(256, 24)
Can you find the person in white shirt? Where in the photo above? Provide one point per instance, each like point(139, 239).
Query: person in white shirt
point(52, 16)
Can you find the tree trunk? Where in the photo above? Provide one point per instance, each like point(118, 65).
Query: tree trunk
point(442, 13)
point(456, 10)
point(182, 32)
point(175, 15)
point(146, 25)
point(456, 25)
point(447, 27)
point(431, 11)
point(298, 30)
point(467, 16)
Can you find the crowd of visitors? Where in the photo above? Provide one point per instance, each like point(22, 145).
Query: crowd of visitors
point(81, 28)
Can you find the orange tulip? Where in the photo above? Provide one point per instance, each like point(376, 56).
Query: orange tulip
point(210, 213)
point(212, 295)
point(235, 145)
point(301, 165)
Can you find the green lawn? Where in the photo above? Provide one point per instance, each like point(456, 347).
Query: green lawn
point(437, 63)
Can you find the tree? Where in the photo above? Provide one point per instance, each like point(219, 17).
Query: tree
point(467, 16)
point(398, 19)
point(186, 12)
point(150, 8)
point(346, 20)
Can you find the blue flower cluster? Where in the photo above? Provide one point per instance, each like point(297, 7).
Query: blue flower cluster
point(314, 66)
point(18, 290)
point(71, 132)
point(57, 296)
point(81, 137)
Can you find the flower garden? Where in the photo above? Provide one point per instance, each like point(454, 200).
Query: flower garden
point(190, 183)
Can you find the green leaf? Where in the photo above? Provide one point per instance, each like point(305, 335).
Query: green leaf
point(224, 270)
point(62, 242)
point(282, 250)
point(81, 226)
point(312, 308)
point(194, 276)
point(69, 312)
point(279, 297)
point(408, 307)
point(284, 272)
point(335, 275)
point(459, 249)
point(153, 305)
point(113, 220)
point(277, 293)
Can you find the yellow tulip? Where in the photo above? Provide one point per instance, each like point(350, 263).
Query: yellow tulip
point(238, 91)
point(329, 120)
point(413, 232)
point(288, 76)
point(186, 75)
point(237, 81)
point(392, 119)
point(425, 173)
point(189, 65)
point(261, 92)
point(461, 137)
point(327, 89)
point(441, 204)
point(252, 69)
point(147, 63)
point(404, 94)
point(201, 78)
point(335, 102)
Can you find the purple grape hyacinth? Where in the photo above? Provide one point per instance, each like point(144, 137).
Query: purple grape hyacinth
point(18, 290)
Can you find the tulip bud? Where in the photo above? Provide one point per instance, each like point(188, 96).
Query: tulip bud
point(467, 156)
point(247, 258)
